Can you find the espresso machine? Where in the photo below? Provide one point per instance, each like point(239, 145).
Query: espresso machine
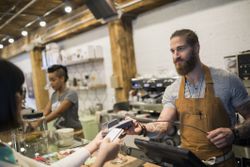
point(146, 94)
point(145, 99)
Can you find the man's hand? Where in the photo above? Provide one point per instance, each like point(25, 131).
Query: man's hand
point(221, 137)
point(135, 129)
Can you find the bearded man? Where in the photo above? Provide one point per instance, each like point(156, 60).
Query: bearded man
point(205, 98)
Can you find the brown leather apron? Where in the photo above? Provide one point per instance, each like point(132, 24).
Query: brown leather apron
point(207, 114)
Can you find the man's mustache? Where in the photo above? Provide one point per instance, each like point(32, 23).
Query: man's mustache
point(178, 59)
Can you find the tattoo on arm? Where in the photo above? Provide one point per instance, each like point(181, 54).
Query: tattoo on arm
point(160, 127)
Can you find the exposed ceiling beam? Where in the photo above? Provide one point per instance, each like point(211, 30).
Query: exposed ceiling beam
point(3, 34)
point(19, 12)
point(22, 14)
point(78, 21)
point(46, 14)
point(10, 9)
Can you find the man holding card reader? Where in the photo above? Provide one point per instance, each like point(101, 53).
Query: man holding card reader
point(204, 101)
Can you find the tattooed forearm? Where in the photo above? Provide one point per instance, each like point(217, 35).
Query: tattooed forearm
point(159, 127)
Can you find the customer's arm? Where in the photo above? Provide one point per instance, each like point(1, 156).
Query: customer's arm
point(108, 150)
point(77, 158)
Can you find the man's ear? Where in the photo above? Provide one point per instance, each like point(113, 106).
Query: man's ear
point(197, 48)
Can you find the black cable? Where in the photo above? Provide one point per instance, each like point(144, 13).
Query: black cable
point(177, 123)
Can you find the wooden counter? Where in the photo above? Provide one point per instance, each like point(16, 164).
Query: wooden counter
point(131, 162)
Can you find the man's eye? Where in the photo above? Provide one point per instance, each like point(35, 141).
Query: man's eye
point(181, 48)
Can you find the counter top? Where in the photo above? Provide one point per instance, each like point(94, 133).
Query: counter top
point(241, 151)
point(130, 161)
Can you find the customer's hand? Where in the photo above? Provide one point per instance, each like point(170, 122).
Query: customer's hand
point(98, 138)
point(221, 137)
point(108, 150)
point(95, 143)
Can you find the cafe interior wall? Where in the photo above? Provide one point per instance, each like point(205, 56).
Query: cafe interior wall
point(87, 98)
point(102, 71)
point(222, 27)
point(24, 63)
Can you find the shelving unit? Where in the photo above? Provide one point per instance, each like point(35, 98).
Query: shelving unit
point(147, 106)
point(86, 71)
point(92, 87)
point(84, 61)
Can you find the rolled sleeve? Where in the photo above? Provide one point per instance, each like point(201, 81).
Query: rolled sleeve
point(239, 92)
point(170, 95)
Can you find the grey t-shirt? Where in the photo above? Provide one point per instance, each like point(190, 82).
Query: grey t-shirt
point(69, 118)
point(227, 86)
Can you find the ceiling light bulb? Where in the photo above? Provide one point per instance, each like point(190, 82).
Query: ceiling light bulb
point(24, 33)
point(1, 46)
point(42, 23)
point(68, 9)
point(11, 40)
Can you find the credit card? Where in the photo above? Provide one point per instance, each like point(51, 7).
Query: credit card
point(114, 133)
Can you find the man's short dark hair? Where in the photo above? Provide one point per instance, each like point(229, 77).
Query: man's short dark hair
point(11, 81)
point(190, 36)
point(61, 71)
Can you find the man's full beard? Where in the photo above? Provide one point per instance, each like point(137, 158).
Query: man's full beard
point(187, 65)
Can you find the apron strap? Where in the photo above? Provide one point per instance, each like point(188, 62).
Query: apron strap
point(182, 88)
point(209, 91)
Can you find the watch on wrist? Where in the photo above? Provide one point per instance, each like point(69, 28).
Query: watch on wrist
point(143, 131)
point(236, 133)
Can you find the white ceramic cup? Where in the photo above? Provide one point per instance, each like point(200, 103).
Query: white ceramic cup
point(65, 136)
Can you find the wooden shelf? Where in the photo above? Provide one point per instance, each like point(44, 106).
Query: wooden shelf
point(90, 60)
point(147, 106)
point(85, 61)
point(92, 87)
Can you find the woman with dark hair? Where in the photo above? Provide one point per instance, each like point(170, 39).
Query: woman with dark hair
point(63, 103)
point(11, 80)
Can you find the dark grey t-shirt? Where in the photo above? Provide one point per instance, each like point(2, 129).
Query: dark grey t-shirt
point(228, 87)
point(69, 118)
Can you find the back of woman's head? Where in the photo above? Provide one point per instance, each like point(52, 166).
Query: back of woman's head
point(11, 81)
